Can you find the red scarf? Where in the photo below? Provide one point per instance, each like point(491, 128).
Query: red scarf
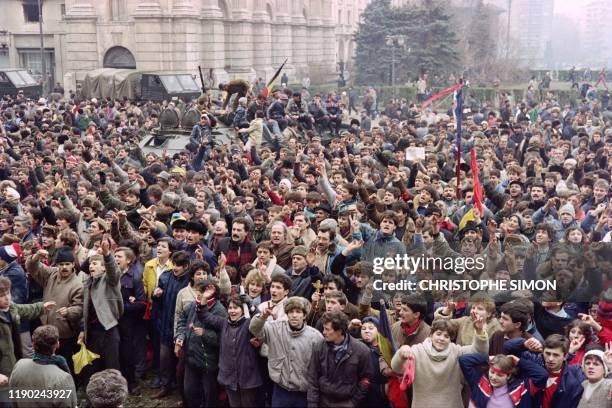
point(411, 329)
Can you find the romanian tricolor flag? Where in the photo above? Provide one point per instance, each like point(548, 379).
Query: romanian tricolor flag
point(385, 338)
point(268, 90)
point(387, 347)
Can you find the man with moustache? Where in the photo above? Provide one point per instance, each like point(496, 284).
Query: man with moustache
point(238, 249)
point(61, 285)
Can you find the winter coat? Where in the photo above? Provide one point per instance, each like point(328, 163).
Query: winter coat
point(238, 359)
point(276, 111)
point(347, 379)
point(29, 374)
point(289, 351)
point(166, 303)
point(200, 351)
point(378, 245)
point(301, 285)
point(10, 344)
point(66, 293)
point(568, 392)
point(19, 283)
point(132, 285)
point(522, 389)
point(105, 294)
point(465, 327)
point(400, 338)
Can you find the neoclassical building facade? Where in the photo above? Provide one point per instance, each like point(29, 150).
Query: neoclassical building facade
point(228, 38)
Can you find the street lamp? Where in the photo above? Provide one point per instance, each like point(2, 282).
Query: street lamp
point(393, 41)
point(43, 64)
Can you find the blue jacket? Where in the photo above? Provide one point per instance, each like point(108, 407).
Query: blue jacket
point(570, 389)
point(522, 389)
point(19, 283)
point(551, 218)
point(132, 285)
point(166, 303)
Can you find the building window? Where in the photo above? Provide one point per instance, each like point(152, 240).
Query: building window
point(30, 60)
point(30, 11)
point(63, 11)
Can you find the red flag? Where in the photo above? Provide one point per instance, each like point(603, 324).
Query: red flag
point(440, 94)
point(476, 182)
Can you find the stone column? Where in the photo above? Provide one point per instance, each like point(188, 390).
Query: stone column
point(328, 43)
point(184, 8)
point(81, 43)
point(262, 41)
point(148, 8)
point(241, 47)
point(212, 41)
point(282, 47)
point(151, 36)
point(300, 42)
point(315, 39)
point(185, 44)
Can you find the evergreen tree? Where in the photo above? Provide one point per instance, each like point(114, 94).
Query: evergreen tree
point(430, 42)
point(370, 53)
point(435, 41)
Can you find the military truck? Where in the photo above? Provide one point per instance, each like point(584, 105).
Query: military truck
point(138, 85)
point(15, 80)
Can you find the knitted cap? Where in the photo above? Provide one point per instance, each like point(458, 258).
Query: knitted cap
point(599, 354)
point(9, 253)
point(567, 209)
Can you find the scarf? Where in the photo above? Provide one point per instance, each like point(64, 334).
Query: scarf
point(49, 360)
point(411, 329)
point(339, 350)
point(434, 354)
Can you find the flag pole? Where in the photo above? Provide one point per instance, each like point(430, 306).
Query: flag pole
point(458, 120)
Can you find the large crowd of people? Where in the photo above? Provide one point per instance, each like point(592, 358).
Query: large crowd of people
point(241, 274)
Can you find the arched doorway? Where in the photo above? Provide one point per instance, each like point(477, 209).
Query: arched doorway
point(119, 57)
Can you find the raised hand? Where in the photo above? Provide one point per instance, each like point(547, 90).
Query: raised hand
point(106, 245)
point(222, 261)
point(479, 324)
point(608, 355)
point(199, 253)
point(576, 343)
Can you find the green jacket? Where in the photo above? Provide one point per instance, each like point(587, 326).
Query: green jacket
point(105, 293)
point(10, 345)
